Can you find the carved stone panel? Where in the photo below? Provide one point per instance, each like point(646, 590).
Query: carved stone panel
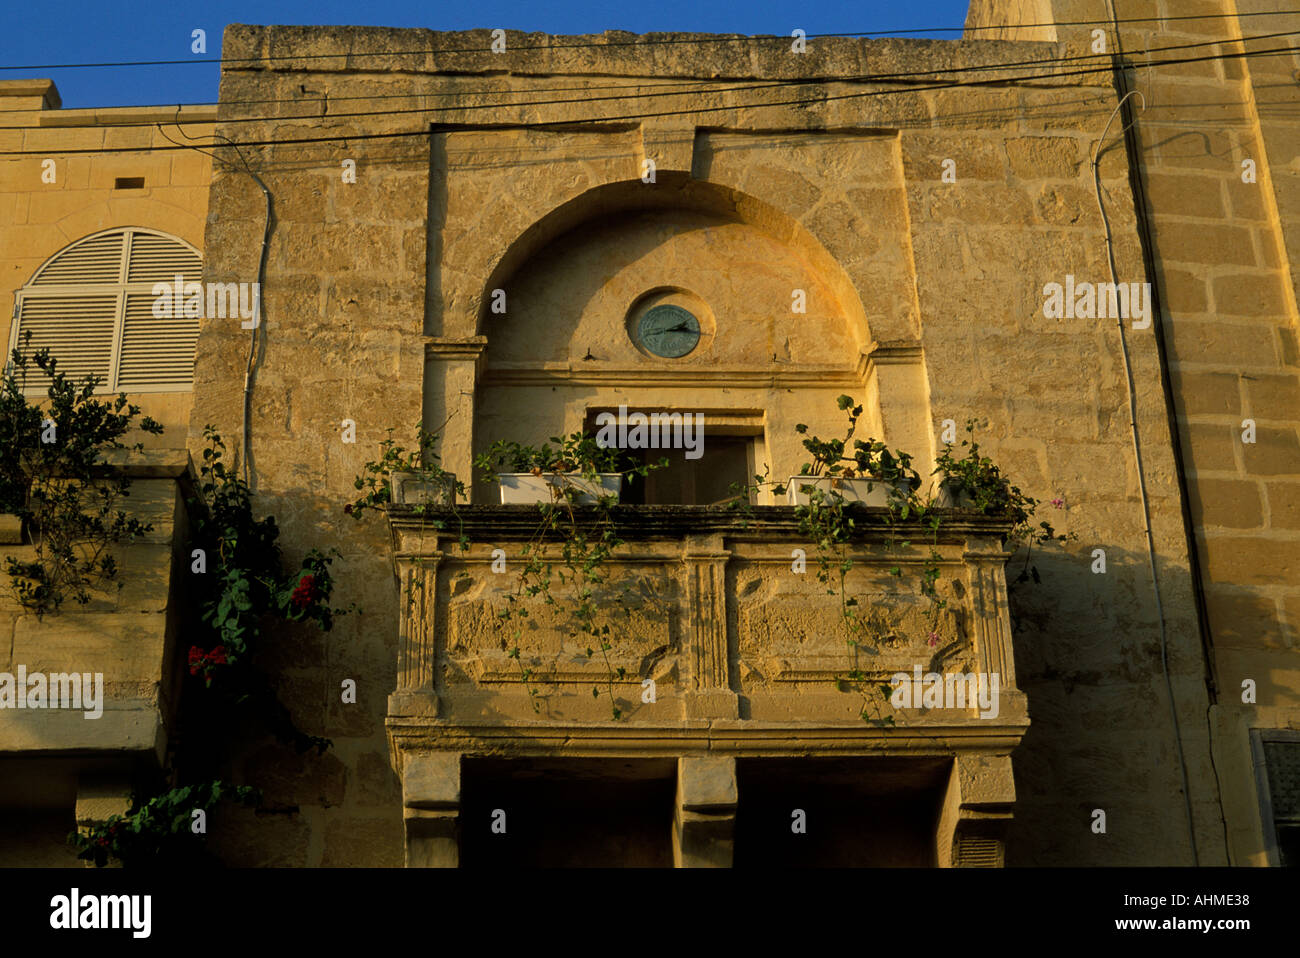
point(555, 645)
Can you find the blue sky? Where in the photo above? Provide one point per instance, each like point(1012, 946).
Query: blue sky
point(87, 31)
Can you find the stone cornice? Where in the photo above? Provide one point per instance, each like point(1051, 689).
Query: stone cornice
point(472, 349)
point(150, 463)
point(444, 347)
point(492, 522)
point(132, 115)
point(617, 375)
point(715, 736)
point(896, 352)
point(718, 57)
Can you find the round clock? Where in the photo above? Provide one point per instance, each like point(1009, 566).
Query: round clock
point(668, 331)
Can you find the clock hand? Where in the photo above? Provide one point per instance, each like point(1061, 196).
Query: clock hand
point(679, 328)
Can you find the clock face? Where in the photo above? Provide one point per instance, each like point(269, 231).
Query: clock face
point(668, 331)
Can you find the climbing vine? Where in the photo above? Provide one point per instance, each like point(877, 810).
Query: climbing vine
point(246, 594)
point(830, 520)
point(567, 547)
point(160, 831)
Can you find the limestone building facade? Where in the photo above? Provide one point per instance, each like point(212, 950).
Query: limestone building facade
point(467, 230)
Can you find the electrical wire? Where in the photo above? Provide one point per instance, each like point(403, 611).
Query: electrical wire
point(655, 90)
point(1141, 471)
point(651, 40)
point(580, 121)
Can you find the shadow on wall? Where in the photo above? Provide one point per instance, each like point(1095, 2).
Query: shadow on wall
point(1088, 657)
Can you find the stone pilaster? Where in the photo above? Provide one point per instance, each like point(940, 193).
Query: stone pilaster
point(417, 579)
point(704, 822)
point(451, 371)
point(977, 810)
point(895, 377)
point(986, 578)
point(709, 693)
point(431, 809)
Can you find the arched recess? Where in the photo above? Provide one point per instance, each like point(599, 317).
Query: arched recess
point(562, 344)
point(678, 191)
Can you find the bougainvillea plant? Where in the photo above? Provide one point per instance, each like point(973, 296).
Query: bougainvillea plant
point(245, 594)
point(160, 831)
point(990, 493)
point(52, 476)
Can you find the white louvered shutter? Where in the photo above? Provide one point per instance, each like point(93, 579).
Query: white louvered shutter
point(92, 306)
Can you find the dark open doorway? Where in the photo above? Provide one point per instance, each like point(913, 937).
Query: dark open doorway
point(606, 813)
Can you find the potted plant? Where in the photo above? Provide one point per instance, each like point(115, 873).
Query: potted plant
point(866, 472)
point(825, 490)
point(401, 476)
point(976, 483)
point(576, 470)
point(568, 549)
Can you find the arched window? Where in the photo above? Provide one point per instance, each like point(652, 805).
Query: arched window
point(92, 305)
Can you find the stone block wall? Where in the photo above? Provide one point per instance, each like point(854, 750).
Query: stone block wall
point(1220, 172)
point(61, 766)
point(376, 314)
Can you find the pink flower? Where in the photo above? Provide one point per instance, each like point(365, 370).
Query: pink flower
point(1058, 502)
point(934, 639)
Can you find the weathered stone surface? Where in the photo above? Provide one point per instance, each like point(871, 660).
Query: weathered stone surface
point(289, 779)
point(707, 783)
point(363, 843)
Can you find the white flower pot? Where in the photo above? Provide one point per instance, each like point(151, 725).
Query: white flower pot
point(523, 488)
point(867, 491)
point(409, 489)
point(953, 495)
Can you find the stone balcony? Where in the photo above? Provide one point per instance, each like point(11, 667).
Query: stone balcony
point(748, 660)
point(53, 758)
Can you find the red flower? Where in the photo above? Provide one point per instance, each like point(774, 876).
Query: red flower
point(306, 593)
point(201, 661)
